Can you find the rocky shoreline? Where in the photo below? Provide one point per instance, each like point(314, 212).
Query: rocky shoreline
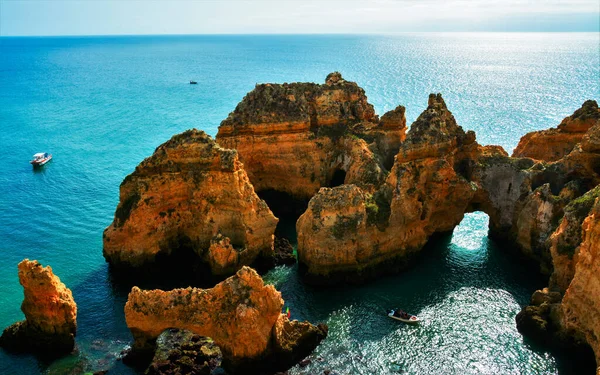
point(369, 196)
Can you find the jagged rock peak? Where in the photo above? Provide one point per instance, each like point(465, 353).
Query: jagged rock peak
point(589, 110)
point(50, 313)
point(333, 78)
point(435, 124)
point(395, 118)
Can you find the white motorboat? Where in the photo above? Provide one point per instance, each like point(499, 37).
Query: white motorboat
point(404, 317)
point(40, 159)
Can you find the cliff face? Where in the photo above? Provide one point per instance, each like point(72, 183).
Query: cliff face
point(581, 303)
point(553, 144)
point(50, 313)
point(190, 196)
point(298, 137)
point(241, 314)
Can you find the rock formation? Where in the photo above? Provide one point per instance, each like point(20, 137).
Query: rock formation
point(554, 144)
point(241, 314)
point(298, 137)
point(190, 197)
point(567, 313)
point(440, 172)
point(348, 233)
point(50, 312)
point(184, 352)
point(581, 303)
point(376, 197)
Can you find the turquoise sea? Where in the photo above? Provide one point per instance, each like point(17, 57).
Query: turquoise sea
point(102, 104)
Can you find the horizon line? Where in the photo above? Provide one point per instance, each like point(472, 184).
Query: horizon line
point(308, 33)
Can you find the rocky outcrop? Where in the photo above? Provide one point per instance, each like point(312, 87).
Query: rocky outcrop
point(349, 234)
point(440, 173)
point(50, 313)
point(298, 137)
point(184, 352)
point(569, 319)
point(581, 303)
point(190, 197)
point(554, 144)
point(241, 314)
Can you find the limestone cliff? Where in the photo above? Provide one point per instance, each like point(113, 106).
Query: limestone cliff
point(440, 172)
point(50, 312)
point(553, 144)
point(348, 233)
point(191, 196)
point(298, 137)
point(581, 303)
point(241, 314)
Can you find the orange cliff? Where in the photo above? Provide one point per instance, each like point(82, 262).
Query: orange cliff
point(295, 138)
point(440, 173)
point(50, 312)
point(581, 303)
point(350, 234)
point(190, 197)
point(553, 144)
point(241, 314)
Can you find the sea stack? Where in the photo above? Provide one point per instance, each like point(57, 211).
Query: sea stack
point(50, 312)
point(241, 314)
point(190, 200)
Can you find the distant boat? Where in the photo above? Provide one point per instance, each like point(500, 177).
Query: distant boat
point(193, 83)
point(403, 316)
point(40, 159)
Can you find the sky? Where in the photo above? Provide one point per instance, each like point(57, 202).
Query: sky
point(114, 17)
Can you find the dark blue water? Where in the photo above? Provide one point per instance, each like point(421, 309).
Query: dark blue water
point(102, 104)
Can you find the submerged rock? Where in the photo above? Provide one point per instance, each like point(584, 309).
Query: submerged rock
point(241, 314)
point(50, 323)
point(184, 352)
point(191, 199)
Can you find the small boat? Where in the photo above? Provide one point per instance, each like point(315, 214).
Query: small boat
point(40, 159)
point(404, 317)
point(193, 83)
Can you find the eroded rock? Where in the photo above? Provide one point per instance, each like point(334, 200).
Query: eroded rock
point(184, 352)
point(180, 199)
point(50, 323)
point(241, 315)
point(296, 137)
point(554, 144)
point(350, 234)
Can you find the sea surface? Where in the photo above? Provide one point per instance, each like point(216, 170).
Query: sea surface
point(101, 105)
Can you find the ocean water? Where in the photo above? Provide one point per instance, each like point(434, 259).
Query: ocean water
point(100, 105)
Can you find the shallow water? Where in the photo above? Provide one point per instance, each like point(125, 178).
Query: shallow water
point(102, 104)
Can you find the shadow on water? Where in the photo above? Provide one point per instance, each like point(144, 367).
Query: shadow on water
point(287, 209)
point(452, 272)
